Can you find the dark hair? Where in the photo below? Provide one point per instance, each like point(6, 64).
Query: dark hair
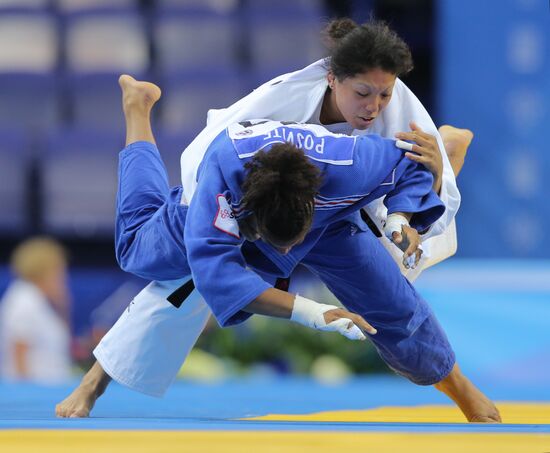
point(279, 189)
point(355, 49)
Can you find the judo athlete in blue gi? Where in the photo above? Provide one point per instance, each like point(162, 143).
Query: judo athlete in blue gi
point(271, 195)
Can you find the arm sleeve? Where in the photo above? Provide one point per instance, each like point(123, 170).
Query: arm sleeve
point(213, 249)
point(406, 185)
point(413, 194)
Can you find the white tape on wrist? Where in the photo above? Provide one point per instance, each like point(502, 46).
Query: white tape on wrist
point(394, 223)
point(311, 314)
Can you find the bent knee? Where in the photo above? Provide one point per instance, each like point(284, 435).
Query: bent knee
point(152, 261)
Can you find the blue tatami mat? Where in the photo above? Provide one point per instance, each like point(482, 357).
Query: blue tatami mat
point(192, 406)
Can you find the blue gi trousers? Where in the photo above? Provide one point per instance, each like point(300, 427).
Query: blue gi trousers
point(359, 271)
point(349, 260)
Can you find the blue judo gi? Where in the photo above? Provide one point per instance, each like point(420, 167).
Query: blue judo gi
point(159, 238)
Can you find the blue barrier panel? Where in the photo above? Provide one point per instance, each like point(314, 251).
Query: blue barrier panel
point(494, 77)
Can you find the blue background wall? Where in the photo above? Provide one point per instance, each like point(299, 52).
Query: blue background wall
point(493, 72)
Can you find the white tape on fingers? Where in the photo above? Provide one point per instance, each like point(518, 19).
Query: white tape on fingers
point(404, 145)
point(311, 314)
point(346, 327)
point(355, 333)
point(410, 260)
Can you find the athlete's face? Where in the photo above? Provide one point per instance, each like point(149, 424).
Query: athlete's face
point(358, 100)
point(284, 247)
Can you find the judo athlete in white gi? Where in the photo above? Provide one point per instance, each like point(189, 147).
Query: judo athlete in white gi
point(355, 91)
point(207, 241)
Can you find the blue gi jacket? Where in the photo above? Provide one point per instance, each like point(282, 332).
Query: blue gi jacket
point(356, 170)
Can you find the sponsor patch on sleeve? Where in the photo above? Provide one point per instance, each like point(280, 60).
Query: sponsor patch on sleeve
point(225, 219)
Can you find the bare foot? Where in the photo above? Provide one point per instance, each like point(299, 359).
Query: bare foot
point(456, 143)
point(81, 401)
point(478, 408)
point(137, 94)
point(472, 402)
point(78, 404)
point(450, 134)
point(138, 99)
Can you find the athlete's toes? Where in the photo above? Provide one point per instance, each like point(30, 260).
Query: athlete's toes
point(60, 410)
point(493, 417)
point(79, 413)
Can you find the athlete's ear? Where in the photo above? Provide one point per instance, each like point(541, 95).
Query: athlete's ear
point(330, 80)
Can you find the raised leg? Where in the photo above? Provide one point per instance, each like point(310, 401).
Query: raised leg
point(149, 216)
point(138, 99)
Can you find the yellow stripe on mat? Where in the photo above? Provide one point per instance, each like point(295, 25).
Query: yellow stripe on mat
point(38, 441)
point(521, 413)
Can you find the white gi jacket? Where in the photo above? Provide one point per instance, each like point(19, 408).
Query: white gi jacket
point(296, 97)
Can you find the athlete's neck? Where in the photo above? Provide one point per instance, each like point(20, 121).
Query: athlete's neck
point(330, 114)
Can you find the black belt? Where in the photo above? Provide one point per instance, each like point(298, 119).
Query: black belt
point(180, 294)
point(372, 226)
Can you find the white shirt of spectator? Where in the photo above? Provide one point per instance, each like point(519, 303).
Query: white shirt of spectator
point(27, 316)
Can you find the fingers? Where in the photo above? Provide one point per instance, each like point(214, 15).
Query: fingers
point(357, 320)
point(425, 152)
point(418, 131)
point(401, 240)
point(418, 255)
point(411, 260)
point(426, 160)
point(413, 241)
point(426, 142)
point(423, 140)
point(409, 256)
point(362, 324)
point(347, 328)
point(397, 238)
point(416, 128)
point(413, 251)
point(419, 157)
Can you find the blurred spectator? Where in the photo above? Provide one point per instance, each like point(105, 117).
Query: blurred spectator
point(34, 331)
